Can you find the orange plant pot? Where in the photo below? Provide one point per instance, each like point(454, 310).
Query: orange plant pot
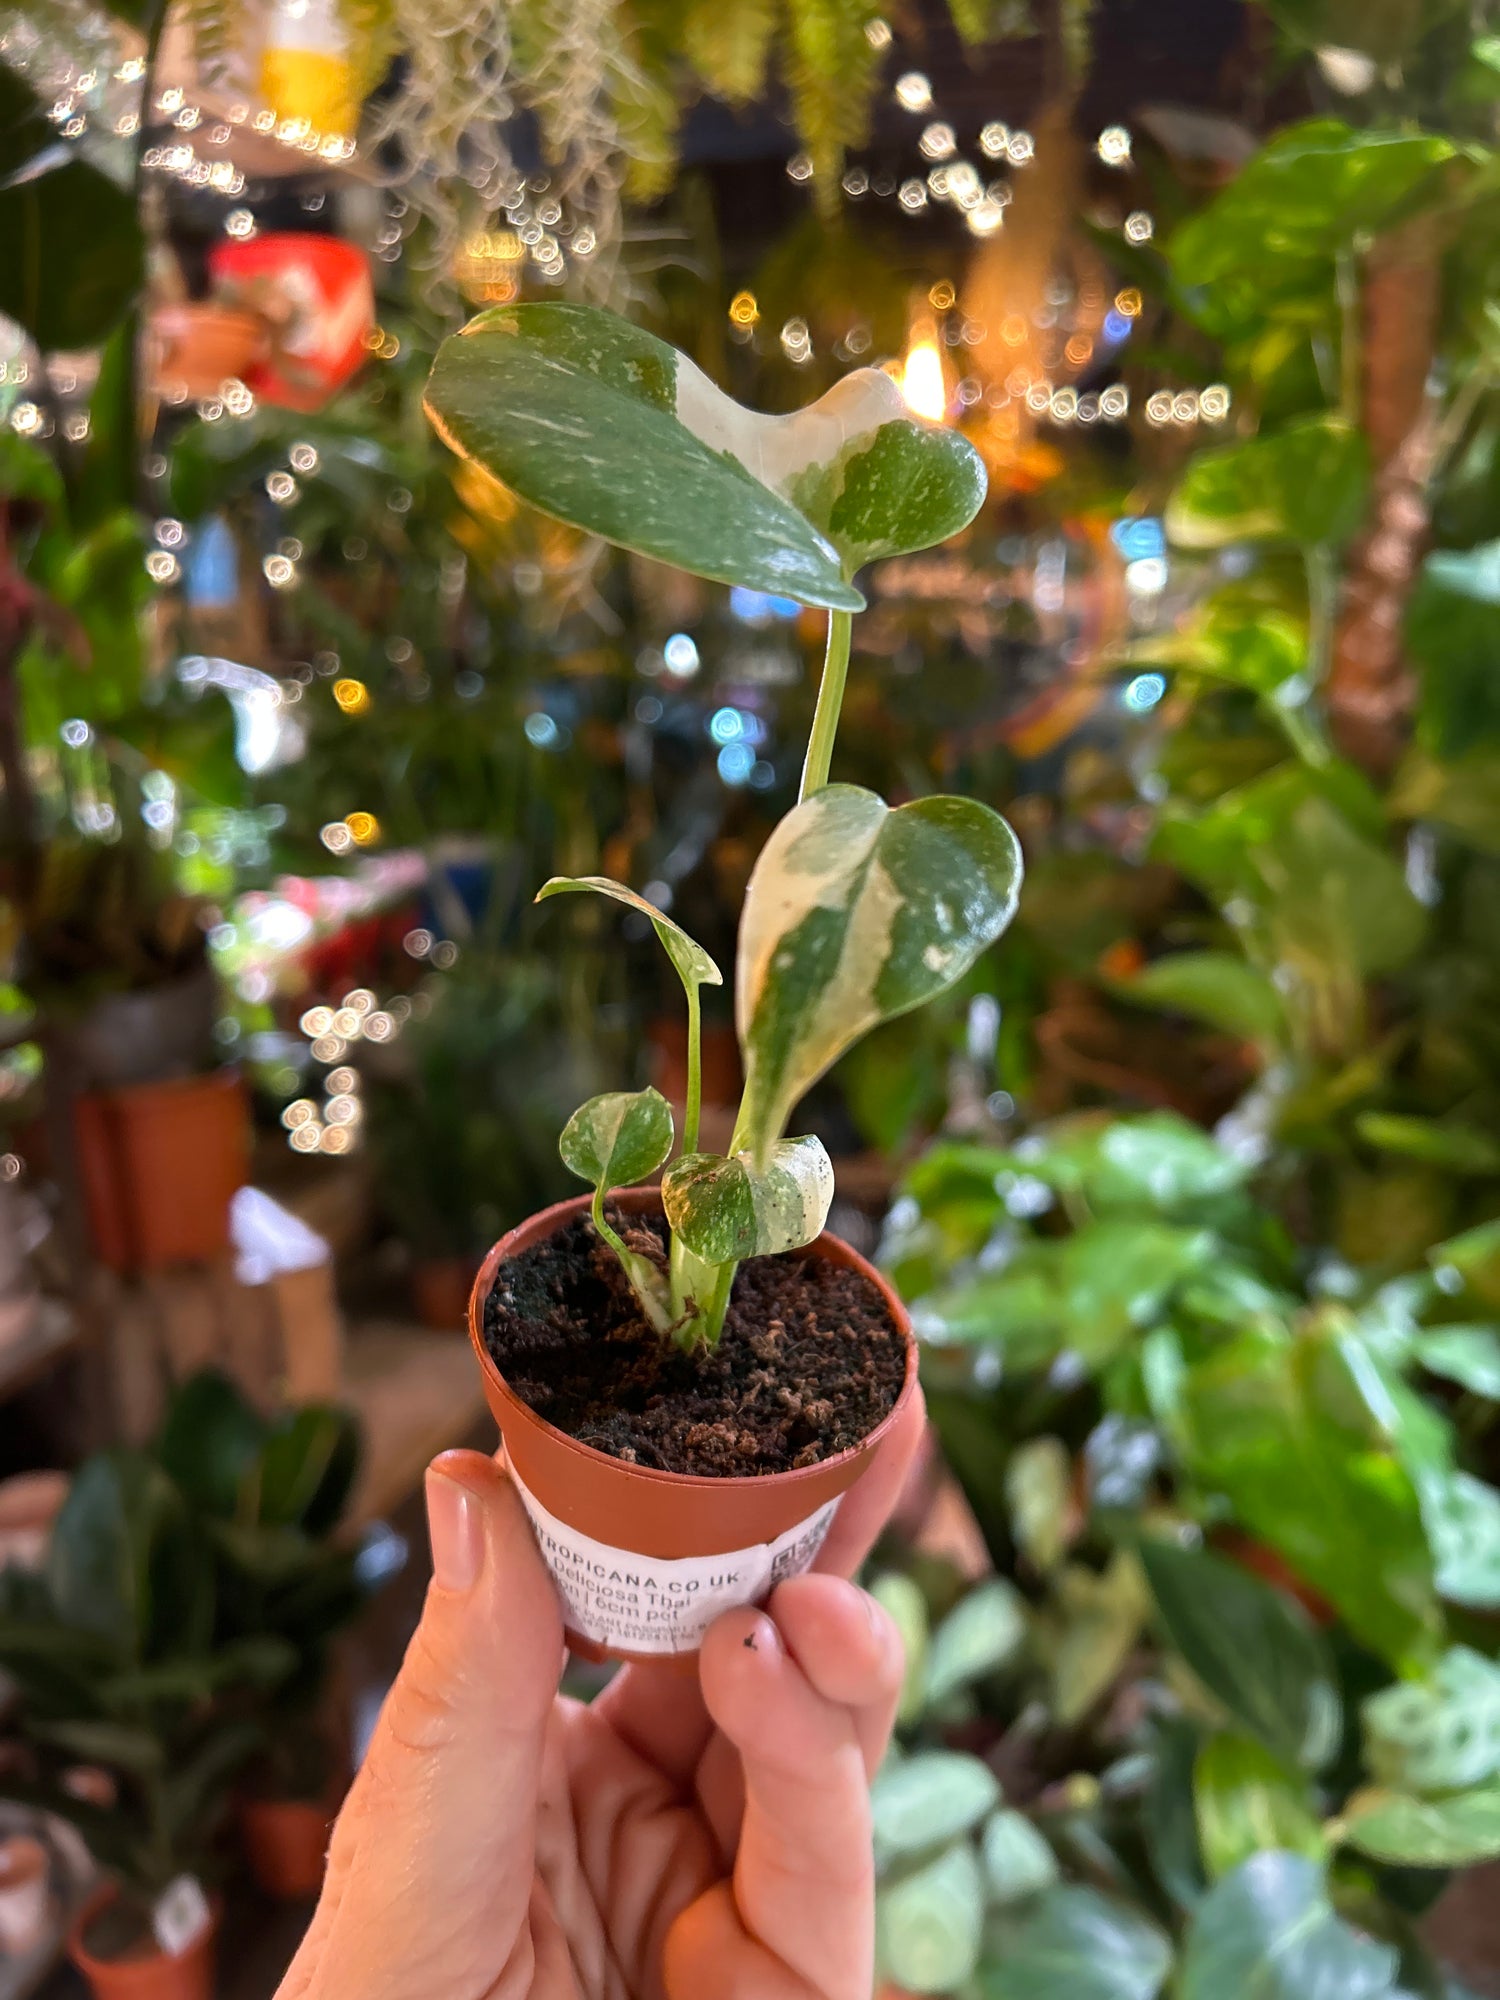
point(160, 1163)
point(286, 1845)
point(149, 1973)
point(440, 1289)
point(680, 1547)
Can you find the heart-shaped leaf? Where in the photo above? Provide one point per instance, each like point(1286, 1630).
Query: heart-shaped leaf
point(856, 913)
point(612, 430)
point(694, 966)
point(617, 1138)
point(1269, 1929)
point(1305, 484)
point(726, 1209)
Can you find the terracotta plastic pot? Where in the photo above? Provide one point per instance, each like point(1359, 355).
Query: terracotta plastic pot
point(146, 1973)
point(160, 1163)
point(286, 1845)
point(440, 1289)
point(201, 345)
point(645, 1560)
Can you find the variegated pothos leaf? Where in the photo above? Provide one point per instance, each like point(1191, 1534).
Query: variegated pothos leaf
point(615, 432)
point(617, 1138)
point(856, 913)
point(726, 1209)
point(694, 966)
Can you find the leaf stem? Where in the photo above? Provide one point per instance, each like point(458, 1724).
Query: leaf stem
point(830, 702)
point(645, 1280)
point(694, 1106)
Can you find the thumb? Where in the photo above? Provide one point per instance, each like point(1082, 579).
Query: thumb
point(430, 1869)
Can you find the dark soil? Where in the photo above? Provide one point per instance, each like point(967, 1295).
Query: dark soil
point(807, 1365)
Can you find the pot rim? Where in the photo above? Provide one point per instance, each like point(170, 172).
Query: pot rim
point(96, 1904)
point(648, 1200)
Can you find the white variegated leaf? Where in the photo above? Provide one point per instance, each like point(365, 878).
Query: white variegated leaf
point(694, 966)
point(610, 429)
point(726, 1209)
point(856, 913)
point(618, 1138)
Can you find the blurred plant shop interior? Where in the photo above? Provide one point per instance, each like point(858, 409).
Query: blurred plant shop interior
point(1191, 1183)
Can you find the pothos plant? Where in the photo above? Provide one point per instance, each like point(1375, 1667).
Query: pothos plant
point(856, 911)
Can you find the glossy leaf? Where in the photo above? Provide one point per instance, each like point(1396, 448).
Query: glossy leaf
point(123, 1563)
point(694, 966)
point(1412, 1832)
point(1475, 1258)
point(1281, 1430)
point(1306, 484)
point(1247, 1801)
point(1216, 987)
point(71, 254)
point(1461, 1149)
point(928, 1924)
point(211, 1441)
point(1468, 1355)
point(1270, 1930)
point(1311, 190)
point(1253, 1648)
point(985, 1631)
point(610, 429)
point(928, 1799)
point(1018, 1862)
point(1156, 1160)
point(856, 913)
point(1075, 1944)
point(1462, 1517)
point(1441, 1734)
point(617, 1138)
point(726, 1209)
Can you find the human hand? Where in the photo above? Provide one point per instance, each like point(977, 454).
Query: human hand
point(680, 1838)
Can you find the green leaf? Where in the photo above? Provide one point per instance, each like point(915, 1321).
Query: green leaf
point(694, 966)
point(123, 1562)
point(71, 255)
point(119, 1746)
point(1100, 1616)
point(611, 430)
point(1039, 1486)
point(856, 913)
point(1269, 1930)
point(618, 1138)
point(1425, 1833)
point(308, 1468)
point(1305, 484)
point(1462, 1517)
point(1216, 987)
point(726, 1209)
point(1461, 1149)
point(1275, 231)
point(1156, 1161)
point(903, 1601)
point(984, 1632)
point(1246, 1801)
point(211, 1441)
point(1468, 1355)
point(928, 1799)
point(1074, 1944)
point(1441, 1734)
point(1018, 1862)
point(1253, 1649)
point(1475, 1257)
point(928, 1924)
point(1281, 1429)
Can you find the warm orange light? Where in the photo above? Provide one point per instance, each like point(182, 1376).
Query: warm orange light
point(743, 309)
point(352, 696)
point(923, 388)
point(363, 828)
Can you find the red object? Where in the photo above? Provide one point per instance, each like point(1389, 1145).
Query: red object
point(315, 296)
point(1274, 1568)
point(636, 1507)
point(286, 1845)
point(160, 1163)
point(147, 1973)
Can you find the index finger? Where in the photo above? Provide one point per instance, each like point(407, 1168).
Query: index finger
point(660, 1713)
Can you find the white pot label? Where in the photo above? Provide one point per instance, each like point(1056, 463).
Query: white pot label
point(651, 1604)
point(181, 1915)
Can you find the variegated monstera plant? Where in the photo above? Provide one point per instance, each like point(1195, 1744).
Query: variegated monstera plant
point(856, 912)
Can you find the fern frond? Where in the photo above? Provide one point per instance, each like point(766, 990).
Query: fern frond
point(831, 66)
point(728, 43)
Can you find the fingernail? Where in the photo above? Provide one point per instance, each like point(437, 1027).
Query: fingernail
point(455, 1532)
